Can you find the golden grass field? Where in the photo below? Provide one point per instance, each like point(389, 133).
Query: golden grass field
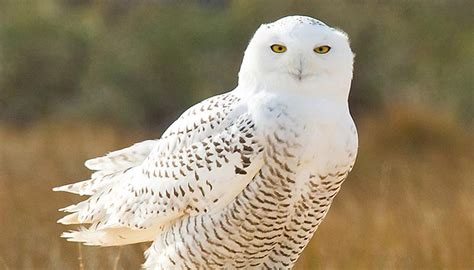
point(408, 204)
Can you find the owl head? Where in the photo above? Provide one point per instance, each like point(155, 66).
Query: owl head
point(298, 54)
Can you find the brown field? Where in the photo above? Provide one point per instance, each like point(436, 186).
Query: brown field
point(408, 204)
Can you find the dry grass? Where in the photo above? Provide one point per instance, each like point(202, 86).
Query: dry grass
point(407, 205)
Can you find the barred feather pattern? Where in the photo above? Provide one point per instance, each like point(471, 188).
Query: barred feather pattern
point(268, 224)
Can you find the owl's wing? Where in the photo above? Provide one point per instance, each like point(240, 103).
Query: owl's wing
point(123, 158)
point(208, 117)
point(176, 179)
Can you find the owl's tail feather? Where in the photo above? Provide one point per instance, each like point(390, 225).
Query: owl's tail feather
point(122, 159)
point(108, 168)
point(105, 228)
point(91, 186)
point(111, 237)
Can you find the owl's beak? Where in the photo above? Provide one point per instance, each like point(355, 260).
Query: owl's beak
point(300, 68)
point(298, 71)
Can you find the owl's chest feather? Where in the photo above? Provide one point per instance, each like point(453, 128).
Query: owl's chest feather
point(320, 136)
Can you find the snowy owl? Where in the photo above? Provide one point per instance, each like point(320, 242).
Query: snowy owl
point(242, 179)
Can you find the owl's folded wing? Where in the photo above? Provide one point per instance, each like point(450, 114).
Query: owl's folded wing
point(198, 178)
point(204, 119)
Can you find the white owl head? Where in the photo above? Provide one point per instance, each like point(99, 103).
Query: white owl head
point(298, 53)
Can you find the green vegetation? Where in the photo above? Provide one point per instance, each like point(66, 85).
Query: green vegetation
point(81, 78)
point(142, 62)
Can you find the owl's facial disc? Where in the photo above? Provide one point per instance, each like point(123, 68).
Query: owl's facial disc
point(299, 52)
point(300, 49)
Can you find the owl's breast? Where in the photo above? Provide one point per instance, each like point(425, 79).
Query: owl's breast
point(330, 146)
point(321, 134)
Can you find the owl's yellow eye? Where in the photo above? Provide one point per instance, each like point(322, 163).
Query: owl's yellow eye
point(322, 49)
point(278, 48)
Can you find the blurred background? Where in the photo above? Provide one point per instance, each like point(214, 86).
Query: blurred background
point(81, 78)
